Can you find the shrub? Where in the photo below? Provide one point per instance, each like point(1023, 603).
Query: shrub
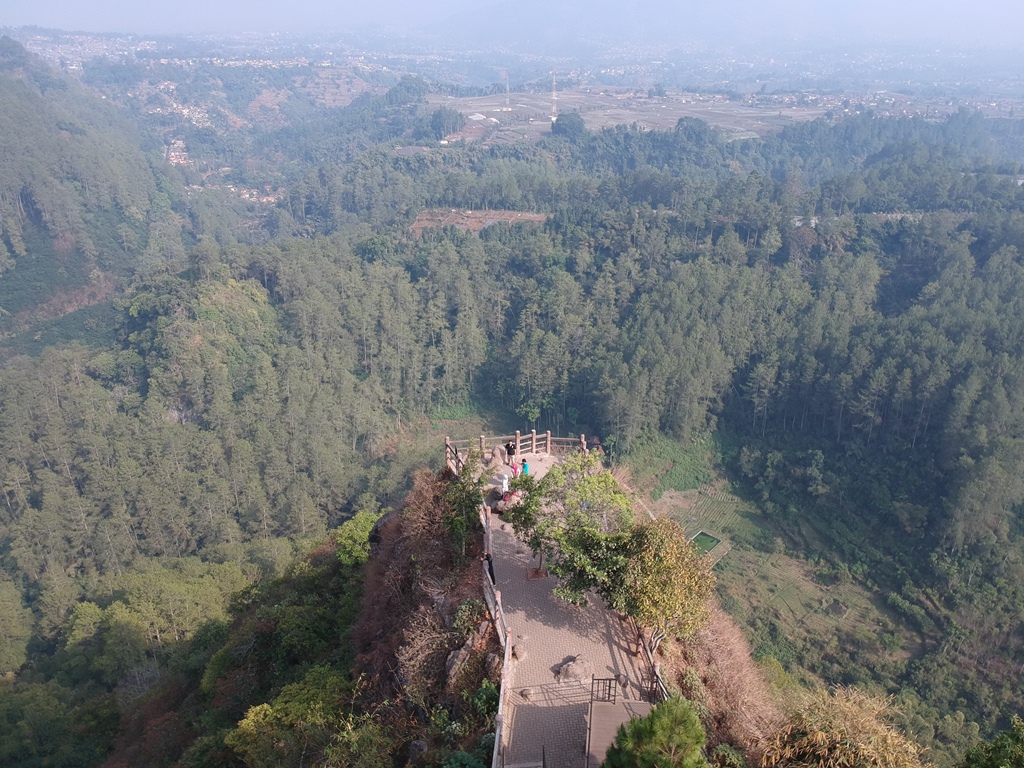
point(468, 615)
point(844, 728)
point(462, 759)
point(727, 756)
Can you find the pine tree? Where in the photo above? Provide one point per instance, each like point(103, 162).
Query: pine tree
point(670, 737)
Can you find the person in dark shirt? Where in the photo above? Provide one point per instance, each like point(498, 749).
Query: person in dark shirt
point(510, 453)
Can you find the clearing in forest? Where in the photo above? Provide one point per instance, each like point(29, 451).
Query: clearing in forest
point(471, 221)
point(763, 579)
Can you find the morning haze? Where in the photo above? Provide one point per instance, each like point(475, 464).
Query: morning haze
point(945, 22)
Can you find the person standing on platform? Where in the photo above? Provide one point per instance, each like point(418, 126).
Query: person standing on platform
point(510, 453)
point(526, 467)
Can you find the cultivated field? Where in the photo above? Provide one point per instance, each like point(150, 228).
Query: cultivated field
point(708, 509)
point(759, 577)
point(334, 87)
point(529, 114)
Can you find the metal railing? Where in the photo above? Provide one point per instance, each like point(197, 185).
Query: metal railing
point(604, 689)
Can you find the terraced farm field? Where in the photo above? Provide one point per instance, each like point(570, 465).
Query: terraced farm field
point(712, 510)
point(789, 591)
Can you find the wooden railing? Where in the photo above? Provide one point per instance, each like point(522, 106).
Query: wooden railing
point(455, 454)
point(492, 597)
point(528, 443)
point(499, 719)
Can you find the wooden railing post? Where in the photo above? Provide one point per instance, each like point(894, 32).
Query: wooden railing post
point(519, 448)
point(448, 452)
point(483, 440)
point(547, 444)
point(583, 442)
point(533, 441)
point(487, 527)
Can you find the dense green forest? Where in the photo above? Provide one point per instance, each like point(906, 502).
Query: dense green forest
point(841, 306)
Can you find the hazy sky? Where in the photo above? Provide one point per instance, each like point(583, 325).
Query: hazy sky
point(940, 21)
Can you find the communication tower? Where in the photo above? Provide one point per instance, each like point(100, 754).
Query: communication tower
point(554, 98)
point(508, 106)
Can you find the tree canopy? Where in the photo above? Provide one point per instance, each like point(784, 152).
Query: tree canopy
point(580, 517)
point(667, 582)
point(1006, 750)
point(569, 125)
point(196, 385)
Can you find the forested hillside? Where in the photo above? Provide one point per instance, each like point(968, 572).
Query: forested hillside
point(79, 203)
point(841, 306)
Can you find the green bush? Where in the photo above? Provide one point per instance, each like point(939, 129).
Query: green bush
point(671, 736)
point(468, 615)
point(462, 759)
point(727, 756)
point(484, 702)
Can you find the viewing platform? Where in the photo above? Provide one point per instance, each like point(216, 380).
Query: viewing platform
point(526, 444)
point(557, 655)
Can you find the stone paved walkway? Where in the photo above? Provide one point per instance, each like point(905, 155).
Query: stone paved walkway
point(547, 632)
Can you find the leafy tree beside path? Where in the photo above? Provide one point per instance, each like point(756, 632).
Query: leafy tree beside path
point(579, 518)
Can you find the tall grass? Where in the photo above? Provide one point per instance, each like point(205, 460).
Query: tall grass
point(669, 464)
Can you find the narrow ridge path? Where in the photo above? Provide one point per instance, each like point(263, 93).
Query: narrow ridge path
point(543, 712)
